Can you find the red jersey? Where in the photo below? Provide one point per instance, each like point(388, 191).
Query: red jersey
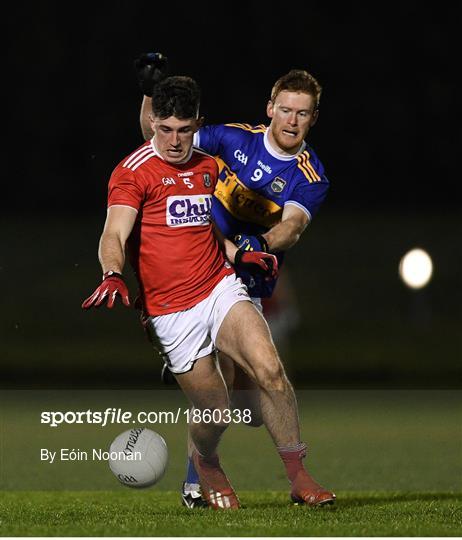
point(172, 248)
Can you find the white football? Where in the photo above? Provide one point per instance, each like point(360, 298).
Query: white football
point(138, 457)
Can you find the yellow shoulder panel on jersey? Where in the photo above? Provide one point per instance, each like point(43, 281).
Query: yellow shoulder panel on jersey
point(261, 128)
point(307, 169)
point(243, 203)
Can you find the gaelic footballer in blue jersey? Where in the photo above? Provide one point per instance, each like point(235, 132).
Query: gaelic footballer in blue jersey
point(271, 184)
point(256, 184)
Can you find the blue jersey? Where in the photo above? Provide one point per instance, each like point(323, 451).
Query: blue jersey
point(255, 183)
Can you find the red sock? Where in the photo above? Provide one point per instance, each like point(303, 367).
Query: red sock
point(292, 458)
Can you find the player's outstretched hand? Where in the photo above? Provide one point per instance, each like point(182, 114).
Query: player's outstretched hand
point(250, 243)
point(257, 262)
point(112, 286)
point(151, 68)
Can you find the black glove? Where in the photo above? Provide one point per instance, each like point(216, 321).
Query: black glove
point(250, 243)
point(151, 68)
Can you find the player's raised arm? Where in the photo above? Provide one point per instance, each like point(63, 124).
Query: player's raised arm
point(118, 226)
point(145, 118)
point(151, 68)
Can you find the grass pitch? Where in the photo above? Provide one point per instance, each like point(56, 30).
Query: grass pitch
point(151, 513)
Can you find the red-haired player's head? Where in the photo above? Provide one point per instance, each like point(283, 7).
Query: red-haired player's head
point(293, 110)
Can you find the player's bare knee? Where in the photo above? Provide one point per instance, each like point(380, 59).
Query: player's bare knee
point(270, 376)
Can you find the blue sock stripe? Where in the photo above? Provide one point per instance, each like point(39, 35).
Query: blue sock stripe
point(191, 476)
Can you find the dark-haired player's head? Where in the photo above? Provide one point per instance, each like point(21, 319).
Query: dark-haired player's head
point(175, 117)
point(177, 96)
point(293, 109)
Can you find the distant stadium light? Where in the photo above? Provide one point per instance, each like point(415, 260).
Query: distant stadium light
point(416, 268)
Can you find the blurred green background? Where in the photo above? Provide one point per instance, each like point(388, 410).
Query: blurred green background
point(357, 325)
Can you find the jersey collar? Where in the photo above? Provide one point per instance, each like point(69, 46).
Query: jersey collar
point(278, 155)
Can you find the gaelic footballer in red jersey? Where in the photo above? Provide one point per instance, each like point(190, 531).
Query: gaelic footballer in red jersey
point(159, 201)
point(172, 247)
point(164, 209)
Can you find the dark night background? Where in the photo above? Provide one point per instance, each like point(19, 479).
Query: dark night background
point(388, 134)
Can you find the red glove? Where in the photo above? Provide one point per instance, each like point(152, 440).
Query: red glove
point(112, 285)
point(257, 262)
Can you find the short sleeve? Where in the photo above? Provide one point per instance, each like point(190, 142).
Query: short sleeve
point(125, 189)
point(309, 196)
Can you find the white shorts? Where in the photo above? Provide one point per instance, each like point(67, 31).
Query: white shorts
point(185, 336)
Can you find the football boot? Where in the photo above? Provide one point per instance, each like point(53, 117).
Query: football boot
point(216, 489)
